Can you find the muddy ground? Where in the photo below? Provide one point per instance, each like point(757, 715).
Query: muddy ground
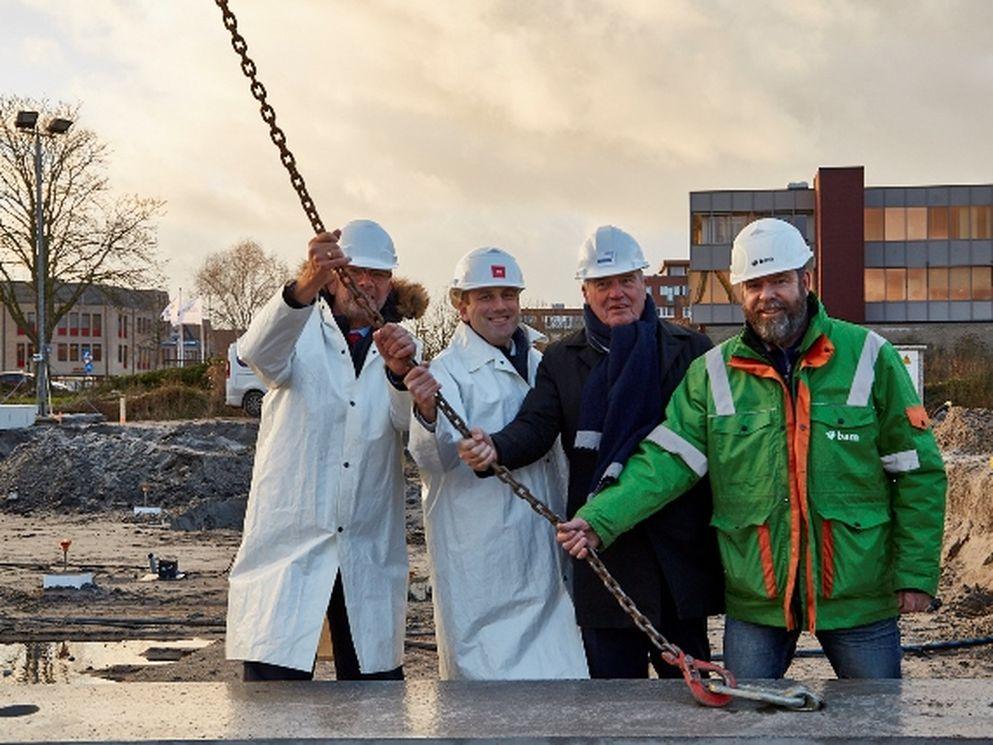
point(80, 483)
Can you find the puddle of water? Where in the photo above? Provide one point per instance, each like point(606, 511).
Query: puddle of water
point(71, 662)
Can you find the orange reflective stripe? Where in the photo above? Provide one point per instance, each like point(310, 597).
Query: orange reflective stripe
point(802, 433)
point(827, 558)
point(764, 370)
point(917, 416)
point(754, 367)
point(768, 570)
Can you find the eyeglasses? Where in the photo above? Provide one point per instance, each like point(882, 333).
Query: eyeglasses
point(376, 275)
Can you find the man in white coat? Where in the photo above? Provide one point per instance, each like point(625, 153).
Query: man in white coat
point(502, 610)
point(324, 529)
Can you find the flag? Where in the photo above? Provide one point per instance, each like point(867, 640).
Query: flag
point(191, 312)
point(171, 313)
point(178, 313)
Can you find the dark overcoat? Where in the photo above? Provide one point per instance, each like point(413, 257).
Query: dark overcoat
point(671, 556)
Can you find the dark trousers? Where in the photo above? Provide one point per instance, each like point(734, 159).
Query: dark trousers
point(346, 663)
point(626, 653)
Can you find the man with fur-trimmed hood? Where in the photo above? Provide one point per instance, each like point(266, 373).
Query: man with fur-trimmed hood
point(324, 529)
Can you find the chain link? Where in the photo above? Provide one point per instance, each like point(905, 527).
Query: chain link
point(278, 138)
point(710, 692)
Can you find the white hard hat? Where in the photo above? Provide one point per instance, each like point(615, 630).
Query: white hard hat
point(368, 245)
point(487, 267)
point(607, 252)
point(767, 246)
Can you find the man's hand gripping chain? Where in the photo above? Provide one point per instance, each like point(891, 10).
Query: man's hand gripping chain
point(716, 691)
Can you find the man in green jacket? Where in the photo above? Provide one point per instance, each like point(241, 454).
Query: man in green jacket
point(829, 489)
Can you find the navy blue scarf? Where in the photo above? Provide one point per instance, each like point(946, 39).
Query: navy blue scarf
point(620, 403)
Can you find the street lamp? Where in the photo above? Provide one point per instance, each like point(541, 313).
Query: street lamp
point(27, 121)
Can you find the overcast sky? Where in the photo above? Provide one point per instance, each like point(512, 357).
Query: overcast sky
point(523, 124)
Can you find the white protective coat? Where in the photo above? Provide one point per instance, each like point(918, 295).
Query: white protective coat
point(501, 605)
point(327, 494)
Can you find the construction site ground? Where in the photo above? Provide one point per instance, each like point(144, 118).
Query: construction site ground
point(81, 484)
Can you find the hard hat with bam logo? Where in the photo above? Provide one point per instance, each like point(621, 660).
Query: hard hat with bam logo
point(767, 246)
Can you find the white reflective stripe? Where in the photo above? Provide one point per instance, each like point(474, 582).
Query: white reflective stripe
point(666, 439)
point(720, 387)
point(901, 462)
point(587, 439)
point(865, 372)
point(613, 470)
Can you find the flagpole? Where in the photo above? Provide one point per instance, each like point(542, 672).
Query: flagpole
point(180, 341)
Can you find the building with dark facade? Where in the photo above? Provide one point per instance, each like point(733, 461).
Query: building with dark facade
point(909, 256)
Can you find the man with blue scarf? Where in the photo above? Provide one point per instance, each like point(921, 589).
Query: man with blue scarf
point(603, 388)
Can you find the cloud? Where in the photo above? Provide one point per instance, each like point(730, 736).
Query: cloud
point(523, 124)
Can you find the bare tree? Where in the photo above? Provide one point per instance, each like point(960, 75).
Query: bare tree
point(93, 238)
point(436, 327)
point(239, 281)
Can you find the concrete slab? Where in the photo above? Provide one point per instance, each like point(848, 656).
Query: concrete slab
point(581, 711)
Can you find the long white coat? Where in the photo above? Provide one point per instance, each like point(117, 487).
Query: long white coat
point(327, 494)
point(501, 605)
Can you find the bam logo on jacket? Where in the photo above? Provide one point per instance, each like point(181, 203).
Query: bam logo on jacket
point(842, 436)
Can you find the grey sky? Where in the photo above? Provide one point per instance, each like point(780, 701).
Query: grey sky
point(517, 124)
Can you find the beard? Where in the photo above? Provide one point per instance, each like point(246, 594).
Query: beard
point(782, 329)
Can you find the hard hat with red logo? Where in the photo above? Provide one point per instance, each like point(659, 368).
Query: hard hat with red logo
point(487, 267)
point(607, 252)
point(767, 246)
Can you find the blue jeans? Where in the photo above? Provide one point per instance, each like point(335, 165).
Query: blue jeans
point(870, 651)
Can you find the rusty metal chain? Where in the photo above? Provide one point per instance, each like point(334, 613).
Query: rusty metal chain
point(286, 157)
point(716, 691)
point(712, 692)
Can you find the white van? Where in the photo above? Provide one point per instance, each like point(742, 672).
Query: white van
point(242, 388)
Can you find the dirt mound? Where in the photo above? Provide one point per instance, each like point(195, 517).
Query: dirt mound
point(965, 431)
point(966, 440)
point(89, 468)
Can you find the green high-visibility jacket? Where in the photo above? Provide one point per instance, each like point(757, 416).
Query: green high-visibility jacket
point(829, 494)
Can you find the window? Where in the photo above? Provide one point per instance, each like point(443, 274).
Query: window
point(722, 229)
point(63, 326)
point(959, 282)
point(122, 354)
point(21, 356)
point(874, 224)
point(958, 226)
point(979, 221)
point(875, 289)
point(74, 324)
point(74, 353)
point(122, 327)
point(97, 325)
point(97, 352)
point(84, 324)
point(982, 283)
point(896, 224)
point(917, 284)
point(696, 230)
point(62, 353)
point(712, 288)
point(937, 283)
point(896, 284)
point(937, 223)
point(667, 311)
point(916, 223)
